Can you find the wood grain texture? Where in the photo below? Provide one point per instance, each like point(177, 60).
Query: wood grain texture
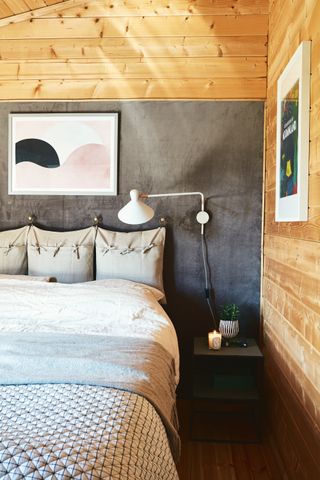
point(221, 461)
point(301, 358)
point(298, 453)
point(302, 318)
point(170, 48)
point(291, 283)
point(192, 26)
point(134, 68)
point(10, 8)
point(132, 89)
point(118, 8)
point(201, 49)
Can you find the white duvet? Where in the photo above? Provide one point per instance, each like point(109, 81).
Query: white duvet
point(104, 307)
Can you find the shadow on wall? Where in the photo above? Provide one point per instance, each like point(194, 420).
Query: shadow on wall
point(212, 147)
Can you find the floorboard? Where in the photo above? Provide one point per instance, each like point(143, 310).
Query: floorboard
point(221, 461)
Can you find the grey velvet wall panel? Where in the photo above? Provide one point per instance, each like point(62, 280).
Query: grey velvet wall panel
point(214, 147)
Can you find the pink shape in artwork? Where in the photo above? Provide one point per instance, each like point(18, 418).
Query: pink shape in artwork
point(88, 167)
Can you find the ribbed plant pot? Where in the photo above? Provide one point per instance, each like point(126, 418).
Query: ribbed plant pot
point(229, 329)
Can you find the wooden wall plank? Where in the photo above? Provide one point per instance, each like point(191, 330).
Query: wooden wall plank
point(300, 448)
point(131, 68)
point(305, 288)
point(133, 89)
point(302, 318)
point(302, 230)
point(137, 27)
point(302, 359)
point(299, 394)
point(299, 254)
point(291, 283)
point(143, 47)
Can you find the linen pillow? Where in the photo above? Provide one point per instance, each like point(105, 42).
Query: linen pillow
point(28, 278)
point(136, 256)
point(13, 251)
point(67, 256)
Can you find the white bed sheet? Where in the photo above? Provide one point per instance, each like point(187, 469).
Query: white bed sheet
point(103, 307)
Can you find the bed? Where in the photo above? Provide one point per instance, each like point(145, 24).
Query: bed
point(88, 373)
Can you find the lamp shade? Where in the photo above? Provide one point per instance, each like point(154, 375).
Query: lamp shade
point(136, 211)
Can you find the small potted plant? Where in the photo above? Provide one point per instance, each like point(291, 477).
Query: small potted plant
point(229, 320)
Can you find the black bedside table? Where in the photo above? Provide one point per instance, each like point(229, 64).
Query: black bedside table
point(226, 392)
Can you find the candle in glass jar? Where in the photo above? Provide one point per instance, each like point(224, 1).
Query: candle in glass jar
point(214, 340)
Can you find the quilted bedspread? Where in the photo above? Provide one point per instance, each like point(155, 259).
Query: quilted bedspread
point(81, 432)
point(86, 392)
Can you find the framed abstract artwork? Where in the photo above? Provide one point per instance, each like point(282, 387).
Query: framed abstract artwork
point(63, 154)
point(293, 102)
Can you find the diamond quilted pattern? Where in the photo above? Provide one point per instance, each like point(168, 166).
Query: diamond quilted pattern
point(61, 432)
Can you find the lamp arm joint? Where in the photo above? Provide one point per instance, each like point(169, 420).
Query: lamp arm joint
point(178, 194)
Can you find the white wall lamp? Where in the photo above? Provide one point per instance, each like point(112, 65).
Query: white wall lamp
point(136, 211)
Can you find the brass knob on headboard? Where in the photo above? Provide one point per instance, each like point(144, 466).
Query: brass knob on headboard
point(97, 220)
point(31, 219)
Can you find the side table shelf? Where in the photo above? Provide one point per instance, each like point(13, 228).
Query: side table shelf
point(226, 393)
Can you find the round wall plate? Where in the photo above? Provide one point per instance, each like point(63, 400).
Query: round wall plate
point(202, 217)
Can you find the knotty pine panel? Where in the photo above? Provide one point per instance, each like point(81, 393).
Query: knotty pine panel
point(299, 254)
point(119, 88)
point(304, 230)
point(53, 2)
point(135, 50)
point(118, 8)
point(314, 157)
point(171, 48)
point(299, 449)
point(193, 26)
point(304, 391)
point(10, 8)
point(304, 319)
point(16, 6)
point(291, 279)
point(308, 231)
point(5, 11)
point(135, 68)
point(304, 359)
point(301, 286)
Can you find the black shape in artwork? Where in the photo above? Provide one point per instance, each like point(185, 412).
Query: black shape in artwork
point(38, 152)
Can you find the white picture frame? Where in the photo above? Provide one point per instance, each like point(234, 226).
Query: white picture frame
point(63, 154)
point(292, 150)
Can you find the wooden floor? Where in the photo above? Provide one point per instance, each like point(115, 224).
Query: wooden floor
point(221, 461)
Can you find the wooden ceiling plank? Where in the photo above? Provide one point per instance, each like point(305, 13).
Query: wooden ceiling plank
point(106, 8)
point(16, 6)
point(28, 14)
point(34, 4)
point(53, 2)
point(5, 11)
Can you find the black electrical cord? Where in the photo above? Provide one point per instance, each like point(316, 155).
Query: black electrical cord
point(207, 280)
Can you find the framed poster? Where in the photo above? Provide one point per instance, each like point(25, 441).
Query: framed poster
point(293, 103)
point(63, 154)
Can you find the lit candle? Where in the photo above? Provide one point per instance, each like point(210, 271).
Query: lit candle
point(214, 340)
